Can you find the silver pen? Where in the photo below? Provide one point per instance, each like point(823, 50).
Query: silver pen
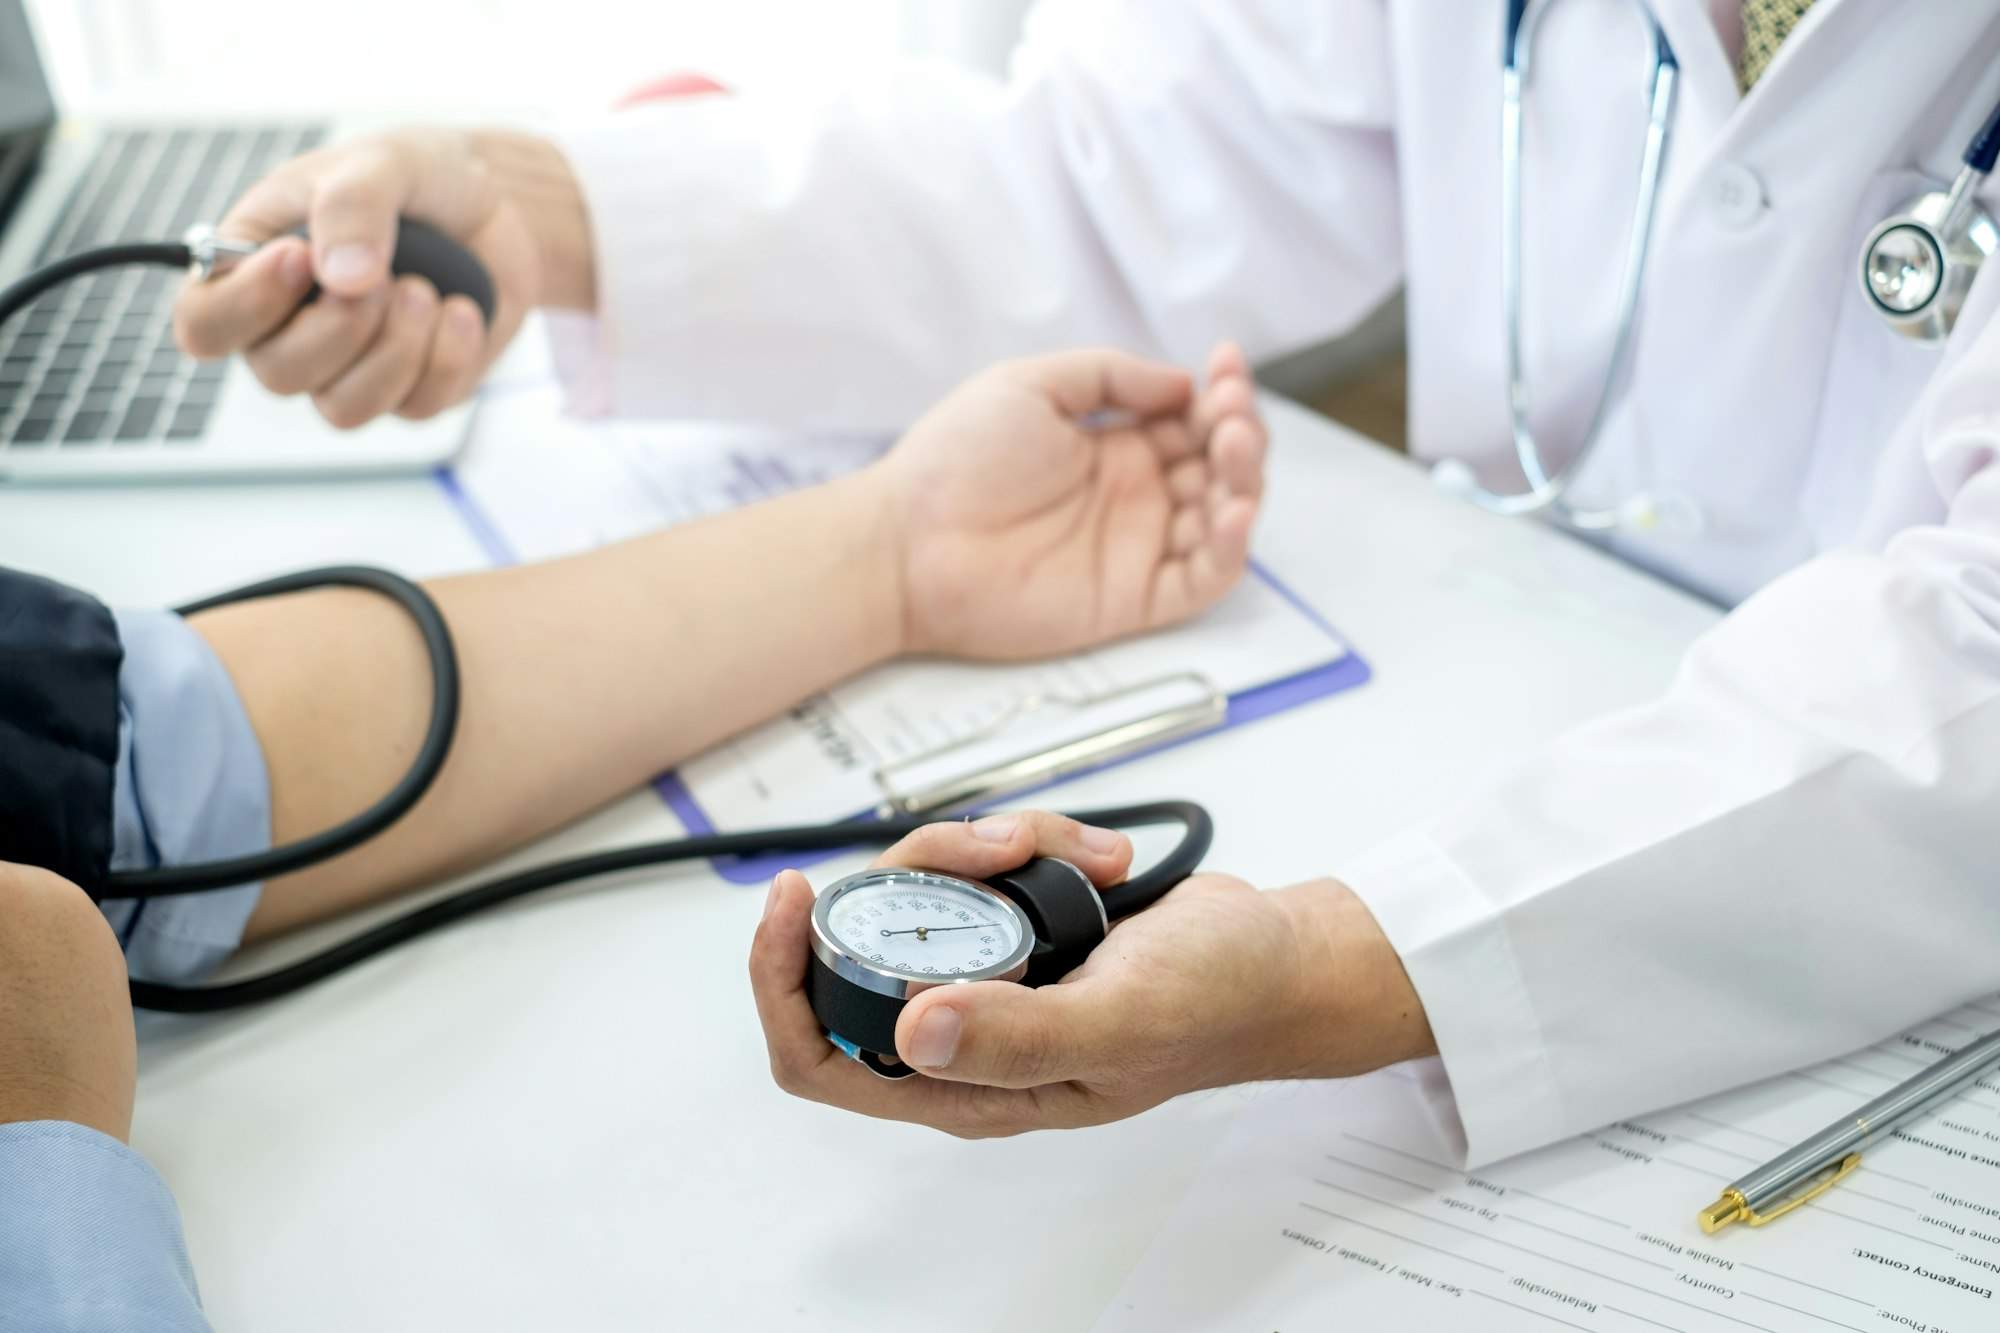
point(1801, 1174)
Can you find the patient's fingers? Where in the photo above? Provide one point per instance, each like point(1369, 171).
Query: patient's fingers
point(1188, 481)
point(1096, 379)
point(1188, 582)
point(1187, 530)
point(1228, 391)
point(1236, 455)
point(1173, 438)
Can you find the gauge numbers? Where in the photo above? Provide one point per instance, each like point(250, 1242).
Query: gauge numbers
point(931, 927)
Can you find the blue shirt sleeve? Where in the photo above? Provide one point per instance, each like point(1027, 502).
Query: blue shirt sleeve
point(190, 785)
point(90, 1240)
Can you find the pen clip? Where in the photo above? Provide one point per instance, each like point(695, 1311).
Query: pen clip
point(1836, 1173)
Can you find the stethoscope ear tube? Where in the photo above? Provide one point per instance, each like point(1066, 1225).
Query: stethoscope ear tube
point(1916, 268)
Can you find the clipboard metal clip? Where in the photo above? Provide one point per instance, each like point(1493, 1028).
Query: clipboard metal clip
point(1119, 740)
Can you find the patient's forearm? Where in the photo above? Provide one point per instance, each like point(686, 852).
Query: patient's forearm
point(582, 678)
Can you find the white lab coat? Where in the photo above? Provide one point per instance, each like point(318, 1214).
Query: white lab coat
point(1793, 853)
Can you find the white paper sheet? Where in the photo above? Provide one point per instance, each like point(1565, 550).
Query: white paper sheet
point(551, 486)
point(1335, 1206)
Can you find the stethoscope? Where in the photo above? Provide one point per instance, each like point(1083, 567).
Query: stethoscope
point(1916, 267)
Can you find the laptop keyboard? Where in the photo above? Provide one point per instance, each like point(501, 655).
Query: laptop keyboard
point(94, 362)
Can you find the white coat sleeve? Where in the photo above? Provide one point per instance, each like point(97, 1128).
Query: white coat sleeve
point(1796, 852)
point(1155, 174)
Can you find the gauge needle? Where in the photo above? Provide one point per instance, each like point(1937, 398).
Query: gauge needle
point(925, 932)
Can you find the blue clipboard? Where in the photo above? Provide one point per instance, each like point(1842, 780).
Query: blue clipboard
point(1246, 706)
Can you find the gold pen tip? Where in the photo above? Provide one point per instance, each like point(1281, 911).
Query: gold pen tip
point(1721, 1213)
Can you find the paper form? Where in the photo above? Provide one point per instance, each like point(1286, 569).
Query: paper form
point(552, 485)
point(548, 485)
point(819, 761)
point(1335, 1205)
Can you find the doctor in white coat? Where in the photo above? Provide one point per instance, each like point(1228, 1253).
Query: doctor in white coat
point(1664, 902)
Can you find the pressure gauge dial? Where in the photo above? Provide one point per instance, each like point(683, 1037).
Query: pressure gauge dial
point(882, 936)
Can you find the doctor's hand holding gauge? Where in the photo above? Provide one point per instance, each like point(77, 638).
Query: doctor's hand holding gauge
point(1699, 280)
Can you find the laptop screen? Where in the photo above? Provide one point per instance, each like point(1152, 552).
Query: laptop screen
point(27, 108)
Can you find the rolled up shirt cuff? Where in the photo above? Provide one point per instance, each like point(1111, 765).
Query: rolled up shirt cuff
point(1454, 945)
point(90, 1238)
point(190, 786)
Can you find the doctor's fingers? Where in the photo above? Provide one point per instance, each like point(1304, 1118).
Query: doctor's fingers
point(319, 344)
point(386, 373)
point(459, 352)
point(996, 843)
point(1001, 1035)
point(805, 1064)
point(350, 197)
point(242, 307)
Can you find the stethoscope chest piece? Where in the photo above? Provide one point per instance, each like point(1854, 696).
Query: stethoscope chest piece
point(883, 937)
point(1917, 265)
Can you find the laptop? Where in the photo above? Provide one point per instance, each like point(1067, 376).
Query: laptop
point(92, 385)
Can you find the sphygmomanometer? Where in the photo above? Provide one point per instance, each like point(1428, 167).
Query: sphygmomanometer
point(878, 937)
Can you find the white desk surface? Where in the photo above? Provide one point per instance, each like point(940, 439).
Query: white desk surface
point(559, 1117)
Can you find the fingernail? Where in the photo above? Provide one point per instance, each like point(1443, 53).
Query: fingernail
point(936, 1039)
point(1101, 839)
point(295, 265)
point(348, 265)
point(415, 298)
point(995, 828)
point(771, 898)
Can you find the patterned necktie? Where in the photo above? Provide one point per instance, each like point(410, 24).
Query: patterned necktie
point(1766, 24)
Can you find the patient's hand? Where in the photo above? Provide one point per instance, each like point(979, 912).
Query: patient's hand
point(1059, 501)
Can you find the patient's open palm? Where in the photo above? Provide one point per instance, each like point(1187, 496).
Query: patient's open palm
point(1057, 502)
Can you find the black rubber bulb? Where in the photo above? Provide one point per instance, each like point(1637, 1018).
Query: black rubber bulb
point(425, 252)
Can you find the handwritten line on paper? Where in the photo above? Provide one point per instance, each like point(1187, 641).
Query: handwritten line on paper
point(1408, 1240)
point(1608, 1249)
point(1807, 1313)
point(1814, 1286)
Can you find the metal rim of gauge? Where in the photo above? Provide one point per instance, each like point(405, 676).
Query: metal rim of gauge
point(1923, 261)
point(895, 982)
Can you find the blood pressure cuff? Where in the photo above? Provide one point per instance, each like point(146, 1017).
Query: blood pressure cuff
point(60, 655)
